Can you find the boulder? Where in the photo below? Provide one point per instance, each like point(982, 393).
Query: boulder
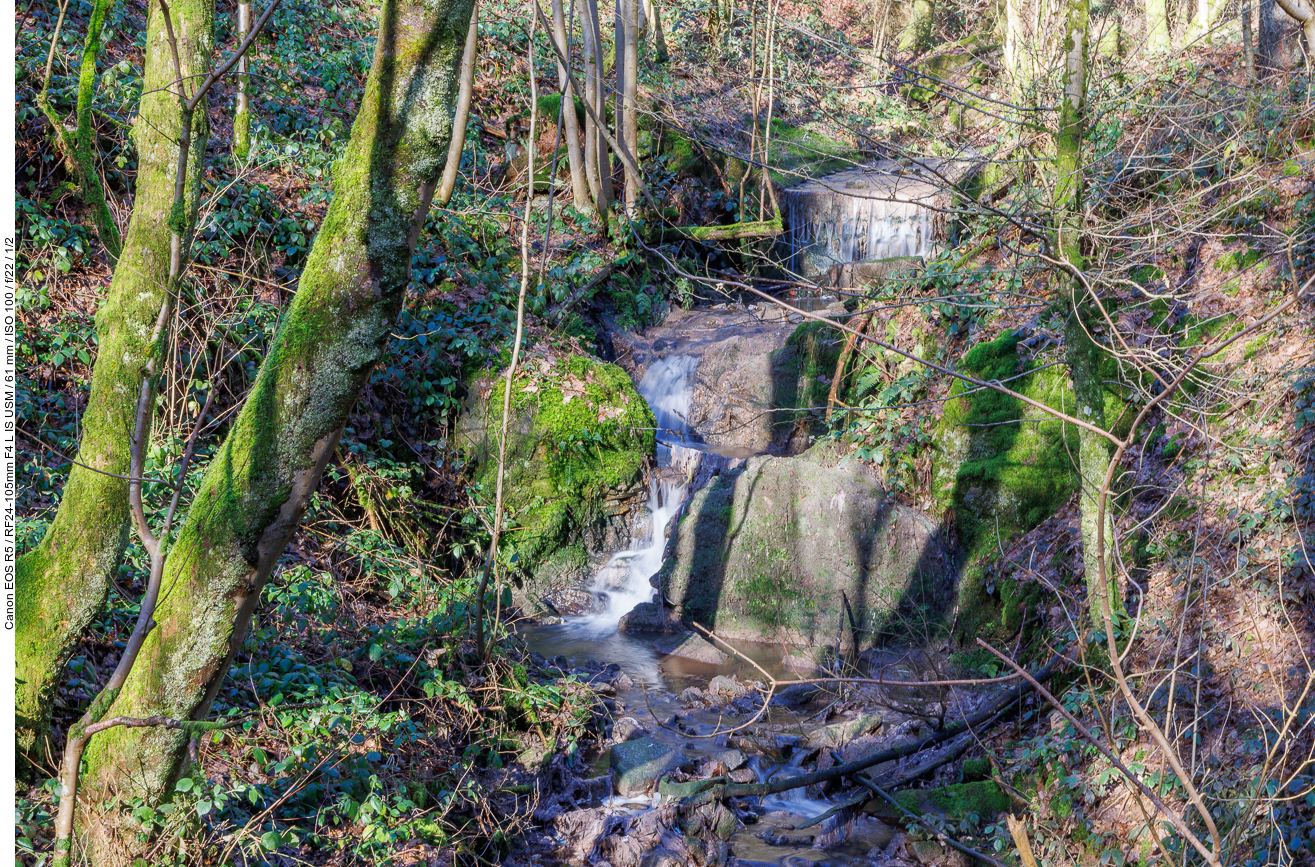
point(769, 552)
point(689, 646)
point(650, 617)
point(637, 765)
point(724, 687)
point(578, 441)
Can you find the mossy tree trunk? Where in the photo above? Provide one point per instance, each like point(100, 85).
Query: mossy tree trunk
point(628, 119)
point(916, 36)
point(62, 584)
point(258, 486)
point(79, 146)
point(1084, 354)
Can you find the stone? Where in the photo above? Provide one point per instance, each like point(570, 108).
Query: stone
point(650, 617)
point(723, 686)
point(571, 511)
point(767, 552)
point(838, 734)
point(799, 694)
point(627, 729)
point(637, 765)
point(690, 646)
point(691, 694)
point(729, 758)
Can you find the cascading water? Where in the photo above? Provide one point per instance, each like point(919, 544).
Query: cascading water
point(880, 212)
point(624, 582)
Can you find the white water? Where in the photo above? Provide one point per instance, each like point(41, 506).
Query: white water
point(624, 582)
point(858, 228)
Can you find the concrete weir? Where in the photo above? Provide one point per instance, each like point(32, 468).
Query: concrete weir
point(883, 211)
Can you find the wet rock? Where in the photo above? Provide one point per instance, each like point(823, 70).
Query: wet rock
point(726, 687)
point(930, 853)
point(637, 765)
point(650, 617)
point(799, 694)
point(710, 820)
point(691, 694)
point(691, 647)
point(729, 759)
point(623, 681)
point(807, 530)
point(774, 839)
point(838, 734)
point(627, 729)
point(743, 775)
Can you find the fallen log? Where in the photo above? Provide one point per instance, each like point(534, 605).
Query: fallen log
point(1002, 708)
point(732, 232)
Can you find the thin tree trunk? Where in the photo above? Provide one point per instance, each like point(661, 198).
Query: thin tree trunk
point(1248, 42)
point(1084, 355)
point(608, 200)
point(630, 102)
point(79, 147)
point(1303, 12)
point(570, 120)
point(61, 586)
point(469, 58)
point(589, 52)
point(660, 52)
point(242, 114)
point(258, 485)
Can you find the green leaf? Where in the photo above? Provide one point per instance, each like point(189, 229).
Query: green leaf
point(185, 784)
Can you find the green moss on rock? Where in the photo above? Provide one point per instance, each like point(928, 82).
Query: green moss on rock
point(577, 443)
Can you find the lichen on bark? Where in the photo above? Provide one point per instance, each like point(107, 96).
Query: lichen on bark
point(258, 485)
point(62, 585)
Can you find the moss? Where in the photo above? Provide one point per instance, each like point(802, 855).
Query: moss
point(682, 156)
point(976, 770)
point(799, 153)
point(958, 802)
point(579, 438)
point(802, 371)
point(1002, 468)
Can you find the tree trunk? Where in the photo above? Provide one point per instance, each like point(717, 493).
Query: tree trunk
point(61, 586)
point(79, 147)
point(1248, 42)
point(1157, 26)
point(630, 101)
point(242, 114)
point(258, 485)
point(1268, 53)
point(592, 142)
point(1303, 12)
point(608, 200)
point(1084, 355)
point(570, 120)
point(917, 33)
point(469, 57)
point(660, 52)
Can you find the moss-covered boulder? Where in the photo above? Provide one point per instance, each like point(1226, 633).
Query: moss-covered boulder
point(774, 550)
point(1001, 467)
point(578, 441)
point(958, 803)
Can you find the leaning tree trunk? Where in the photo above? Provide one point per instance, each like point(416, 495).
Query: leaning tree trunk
point(62, 584)
point(258, 485)
point(1084, 355)
point(242, 114)
point(570, 120)
point(469, 57)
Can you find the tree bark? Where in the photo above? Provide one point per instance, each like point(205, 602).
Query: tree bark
point(242, 114)
point(1268, 49)
point(1248, 42)
point(1303, 12)
point(258, 485)
point(916, 36)
point(469, 57)
point(630, 103)
point(1084, 355)
point(1157, 26)
point(595, 148)
point(79, 147)
point(570, 120)
point(61, 586)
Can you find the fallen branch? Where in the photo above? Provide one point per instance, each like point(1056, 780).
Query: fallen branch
point(1002, 708)
point(732, 232)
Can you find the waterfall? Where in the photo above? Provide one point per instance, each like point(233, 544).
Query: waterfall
point(623, 583)
point(858, 215)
